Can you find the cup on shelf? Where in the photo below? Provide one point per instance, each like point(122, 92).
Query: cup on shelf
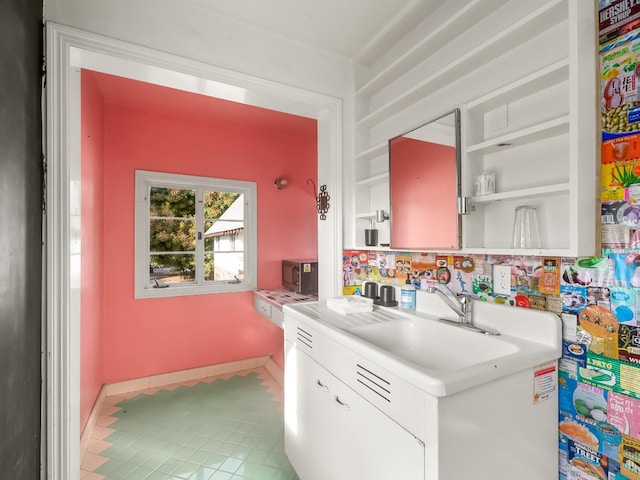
point(525, 228)
point(486, 183)
point(371, 237)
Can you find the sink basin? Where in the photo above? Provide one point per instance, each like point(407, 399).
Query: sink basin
point(438, 357)
point(433, 345)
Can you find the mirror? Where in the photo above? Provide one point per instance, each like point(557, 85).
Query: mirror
point(424, 172)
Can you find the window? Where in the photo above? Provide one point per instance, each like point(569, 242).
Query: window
point(193, 235)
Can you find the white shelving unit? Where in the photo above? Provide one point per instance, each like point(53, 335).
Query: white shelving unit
point(477, 55)
point(532, 122)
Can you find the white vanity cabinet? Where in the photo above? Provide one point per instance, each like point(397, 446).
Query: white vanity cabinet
point(352, 411)
point(339, 435)
point(331, 431)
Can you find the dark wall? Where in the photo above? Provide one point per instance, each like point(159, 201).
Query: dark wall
point(20, 238)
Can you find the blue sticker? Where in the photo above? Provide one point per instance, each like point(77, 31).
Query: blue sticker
point(633, 115)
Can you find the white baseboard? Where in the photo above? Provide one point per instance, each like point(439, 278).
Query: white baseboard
point(163, 379)
point(91, 422)
point(275, 370)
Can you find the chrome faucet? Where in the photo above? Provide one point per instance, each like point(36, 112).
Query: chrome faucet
point(462, 305)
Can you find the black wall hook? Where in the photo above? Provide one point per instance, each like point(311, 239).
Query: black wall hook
point(322, 199)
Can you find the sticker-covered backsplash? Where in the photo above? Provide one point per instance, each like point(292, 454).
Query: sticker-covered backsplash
point(544, 283)
point(597, 300)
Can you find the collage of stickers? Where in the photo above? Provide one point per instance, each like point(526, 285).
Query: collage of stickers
point(598, 301)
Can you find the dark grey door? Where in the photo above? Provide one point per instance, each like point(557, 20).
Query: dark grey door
point(20, 238)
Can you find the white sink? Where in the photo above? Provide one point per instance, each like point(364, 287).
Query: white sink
point(434, 345)
point(438, 357)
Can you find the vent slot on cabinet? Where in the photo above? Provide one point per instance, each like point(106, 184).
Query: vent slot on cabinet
point(304, 337)
point(374, 382)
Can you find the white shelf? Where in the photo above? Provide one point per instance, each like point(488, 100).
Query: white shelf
point(536, 82)
point(373, 180)
point(373, 152)
point(544, 130)
point(523, 193)
point(445, 32)
point(518, 33)
point(543, 252)
point(377, 248)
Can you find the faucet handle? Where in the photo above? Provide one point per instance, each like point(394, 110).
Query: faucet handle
point(465, 302)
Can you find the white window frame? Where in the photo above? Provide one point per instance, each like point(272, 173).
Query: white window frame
point(144, 180)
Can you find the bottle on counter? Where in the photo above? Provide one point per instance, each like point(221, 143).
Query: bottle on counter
point(408, 295)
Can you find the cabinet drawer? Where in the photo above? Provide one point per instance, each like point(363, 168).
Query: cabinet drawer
point(262, 306)
point(277, 317)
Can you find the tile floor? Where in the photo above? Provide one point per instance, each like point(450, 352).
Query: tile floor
point(228, 427)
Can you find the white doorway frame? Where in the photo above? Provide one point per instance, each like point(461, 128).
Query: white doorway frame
point(68, 51)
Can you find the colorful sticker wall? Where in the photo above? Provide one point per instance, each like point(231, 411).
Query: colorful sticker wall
point(599, 372)
point(597, 299)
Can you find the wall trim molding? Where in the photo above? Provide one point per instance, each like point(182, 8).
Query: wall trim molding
point(276, 371)
point(68, 50)
point(90, 426)
point(181, 376)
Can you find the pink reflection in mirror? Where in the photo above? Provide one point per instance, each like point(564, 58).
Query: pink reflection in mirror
point(424, 191)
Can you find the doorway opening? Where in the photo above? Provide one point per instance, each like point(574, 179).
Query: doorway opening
point(68, 52)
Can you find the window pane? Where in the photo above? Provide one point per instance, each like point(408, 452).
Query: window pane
point(208, 240)
point(216, 203)
point(224, 266)
point(172, 236)
point(224, 214)
point(172, 202)
point(172, 268)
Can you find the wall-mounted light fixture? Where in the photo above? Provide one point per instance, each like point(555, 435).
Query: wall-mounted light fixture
point(281, 182)
point(381, 216)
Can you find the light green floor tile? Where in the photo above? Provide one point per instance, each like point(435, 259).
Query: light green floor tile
point(186, 470)
point(226, 449)
point(124, 470)
point(215, 460)
point(199, 457)
point(109, 466)
point(170, 465)
point(140, 473)
point(229, 429)
point(155, 461)
point(157, 476)
point(219, 475)
point(211, 445)
point(231, 465)
point(202, 473)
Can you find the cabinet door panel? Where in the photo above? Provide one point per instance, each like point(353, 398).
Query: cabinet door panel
point(333, 433)
point(369, 444)
point(307, 402)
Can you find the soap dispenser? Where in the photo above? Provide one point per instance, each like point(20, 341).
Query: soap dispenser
point(408, 295)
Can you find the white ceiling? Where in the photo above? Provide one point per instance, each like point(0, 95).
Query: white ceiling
point(356, 29)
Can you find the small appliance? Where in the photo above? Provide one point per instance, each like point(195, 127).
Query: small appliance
point(301, 276)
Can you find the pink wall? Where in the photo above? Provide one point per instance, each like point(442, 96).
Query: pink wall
point(423, 175)
point(92, 246)
point(151, 336)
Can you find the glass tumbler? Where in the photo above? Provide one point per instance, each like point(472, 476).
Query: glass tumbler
point(525, 228)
